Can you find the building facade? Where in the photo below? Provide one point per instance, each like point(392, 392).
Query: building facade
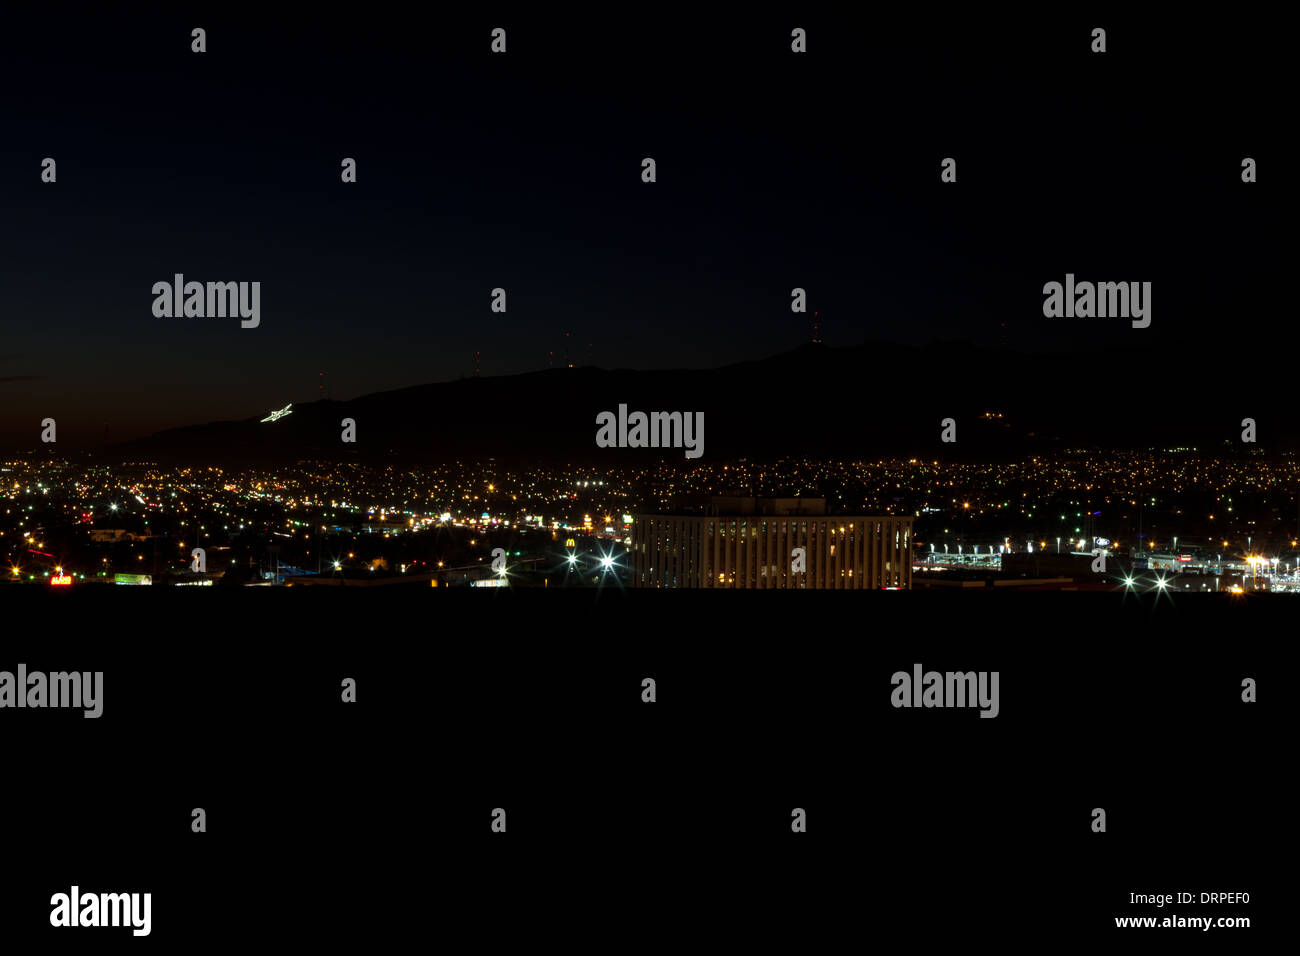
point(750, 543)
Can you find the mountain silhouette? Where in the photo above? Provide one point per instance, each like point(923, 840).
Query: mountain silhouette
point(815, 401)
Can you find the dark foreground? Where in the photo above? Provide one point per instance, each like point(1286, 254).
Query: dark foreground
point(332, 822)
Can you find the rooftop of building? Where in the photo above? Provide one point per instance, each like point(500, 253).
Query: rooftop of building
point(745, 505)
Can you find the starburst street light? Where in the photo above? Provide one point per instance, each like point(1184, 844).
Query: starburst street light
point(608, 562)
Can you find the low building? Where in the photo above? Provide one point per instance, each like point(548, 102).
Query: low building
point(771, 543)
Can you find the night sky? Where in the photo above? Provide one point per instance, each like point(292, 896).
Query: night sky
point(522, 171)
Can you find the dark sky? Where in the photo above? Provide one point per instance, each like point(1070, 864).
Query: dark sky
point(523, 171)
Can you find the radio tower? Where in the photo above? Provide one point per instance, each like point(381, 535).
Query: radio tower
point(477, 370)
point(567, 363)
point(817, 333)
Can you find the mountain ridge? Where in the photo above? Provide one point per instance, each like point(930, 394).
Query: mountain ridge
point(877, 398)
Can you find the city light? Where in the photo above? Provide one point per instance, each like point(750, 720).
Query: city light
point(243, 511)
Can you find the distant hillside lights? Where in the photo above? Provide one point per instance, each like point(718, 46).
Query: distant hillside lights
point(215, 300)
point(665, 430)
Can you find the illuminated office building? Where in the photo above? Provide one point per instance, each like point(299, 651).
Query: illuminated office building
point(751, 543)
